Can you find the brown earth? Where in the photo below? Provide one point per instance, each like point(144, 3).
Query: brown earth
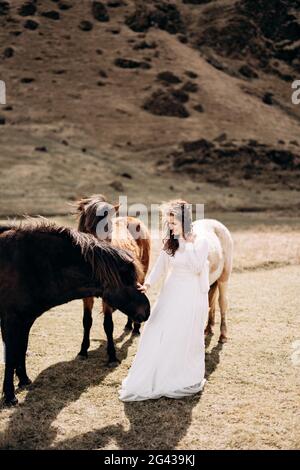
point(99, 90)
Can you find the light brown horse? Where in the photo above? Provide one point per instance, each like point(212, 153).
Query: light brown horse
point(98, 217)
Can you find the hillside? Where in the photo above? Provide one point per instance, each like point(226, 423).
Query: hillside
point(152, 99)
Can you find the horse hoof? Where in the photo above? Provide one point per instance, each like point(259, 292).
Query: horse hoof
point(9, 402)
point(113, 364)
point(82, 356)
point(24, 383)
point(223, 339)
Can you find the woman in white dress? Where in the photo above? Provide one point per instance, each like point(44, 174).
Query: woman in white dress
point(171, 351)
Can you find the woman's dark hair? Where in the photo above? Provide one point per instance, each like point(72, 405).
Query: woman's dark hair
point(181, 211)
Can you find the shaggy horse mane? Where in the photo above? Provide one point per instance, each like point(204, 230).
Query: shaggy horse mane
point(101, 256)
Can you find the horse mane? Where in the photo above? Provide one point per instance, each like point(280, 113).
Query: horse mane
point(86, 208)
point(101, 256)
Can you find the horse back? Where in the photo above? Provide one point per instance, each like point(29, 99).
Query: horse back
point(220, 248)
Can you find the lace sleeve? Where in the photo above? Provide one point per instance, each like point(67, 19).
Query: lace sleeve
point(160, 268)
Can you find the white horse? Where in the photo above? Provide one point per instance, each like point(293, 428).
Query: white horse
point(220, 262)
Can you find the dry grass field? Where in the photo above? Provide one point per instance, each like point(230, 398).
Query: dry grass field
point(251, 399)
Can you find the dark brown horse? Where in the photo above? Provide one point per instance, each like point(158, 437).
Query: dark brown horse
point(97, 216)
point(41, 266)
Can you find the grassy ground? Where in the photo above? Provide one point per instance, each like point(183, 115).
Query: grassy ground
point(251, 399)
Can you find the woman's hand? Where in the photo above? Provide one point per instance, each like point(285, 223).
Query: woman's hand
point(143, 287)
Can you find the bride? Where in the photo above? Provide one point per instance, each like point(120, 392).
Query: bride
point(171, 352)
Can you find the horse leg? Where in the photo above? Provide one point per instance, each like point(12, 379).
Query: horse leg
point(223, 303)
point(109, 329)
point(21, 367)
point(136, 328)
point(128, 325)
point(212, 297)
point(11, 333)
point(88, 304)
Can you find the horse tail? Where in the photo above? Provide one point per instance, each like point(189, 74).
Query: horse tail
point(227, 246)
point(140, 233)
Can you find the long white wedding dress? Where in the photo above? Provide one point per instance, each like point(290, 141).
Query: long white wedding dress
point(171, 353)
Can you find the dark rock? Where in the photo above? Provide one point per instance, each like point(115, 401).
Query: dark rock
point(27, 9)
point(99, 12)
point(283, 158)
point(162, 103)
point(8, 52)
point(2, 120)
point(183, 39)
point(131, 64)
point(215, 63)
point(85, 25)
point(268, 98)
point(127, 175)
point(114, 30)
point(249, 159)
point(196, 145)
point(115, 3)
point(168, 77)
point(64, 6)
point(27, 80)
point(4, 8)
point(145, 45)
point(31, 24)
point(190, 87)
point(41, 149)
point(52, 15)
point(161, 15)
point(247, 72)
point(102, 73)
point(199, 108)
point(262, 31)
point(8, 108)
point(180, 95)
point(191, 74)
point(99, 83)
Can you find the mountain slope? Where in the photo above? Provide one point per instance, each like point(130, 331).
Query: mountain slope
point(104, 96)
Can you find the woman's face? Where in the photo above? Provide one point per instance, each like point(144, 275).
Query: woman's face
point(174, 225)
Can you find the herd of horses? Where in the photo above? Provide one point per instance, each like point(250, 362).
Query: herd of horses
point(43, 265)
